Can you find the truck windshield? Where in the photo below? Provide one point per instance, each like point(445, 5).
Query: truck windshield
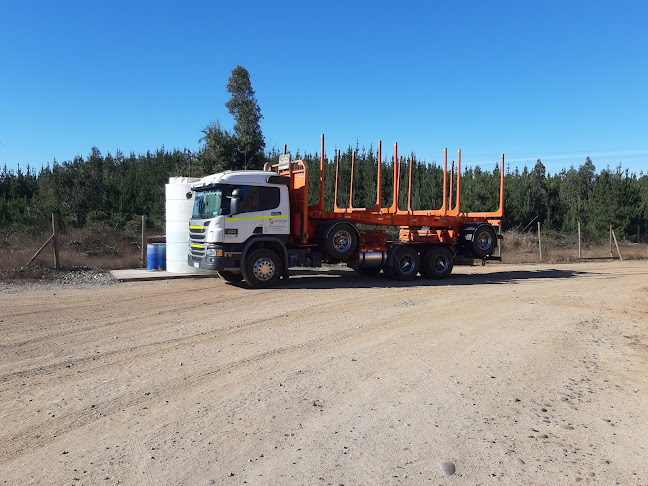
point(209, 204)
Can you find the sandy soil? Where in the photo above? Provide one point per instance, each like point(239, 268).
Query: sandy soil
point(502, 374)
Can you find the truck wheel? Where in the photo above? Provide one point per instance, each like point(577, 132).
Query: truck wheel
point(262, 268)
point(405, 263)
point(484, 240)
point(341, 241)
point(231, 276)
point(437, 262)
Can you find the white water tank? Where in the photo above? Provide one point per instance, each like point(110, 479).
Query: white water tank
point(178, 214)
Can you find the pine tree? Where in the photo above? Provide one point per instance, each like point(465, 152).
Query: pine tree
point(242, 149)
point(244, 108)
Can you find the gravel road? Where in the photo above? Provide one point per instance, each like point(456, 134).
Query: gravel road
point(499, 375)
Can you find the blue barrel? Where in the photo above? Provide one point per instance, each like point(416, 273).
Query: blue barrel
point(161, 256)
point(156, 256)
point(151, 256)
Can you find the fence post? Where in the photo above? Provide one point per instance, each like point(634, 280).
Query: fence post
point(579, 241)
point(144, 241)
point(617, 245)
point(539, 241)
point(55, 239)
point(611, 255)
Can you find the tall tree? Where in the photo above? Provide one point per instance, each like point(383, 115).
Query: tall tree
point(242, 149)
point(244, 108)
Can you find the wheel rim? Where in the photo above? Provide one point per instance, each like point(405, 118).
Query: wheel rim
point(441, 263)
point(407, 264)
point(484, 241)
point(342, 241)
point(264, 269)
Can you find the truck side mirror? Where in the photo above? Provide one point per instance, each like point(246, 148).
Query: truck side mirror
point(235, 201)
point(189, 194)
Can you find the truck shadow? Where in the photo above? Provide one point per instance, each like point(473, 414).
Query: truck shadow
point(335, 279)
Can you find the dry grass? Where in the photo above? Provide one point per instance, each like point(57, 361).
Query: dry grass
point(558, 248)
point(107, 248)
point(97, 247)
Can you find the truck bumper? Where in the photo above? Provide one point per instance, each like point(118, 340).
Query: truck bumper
point(215, 258)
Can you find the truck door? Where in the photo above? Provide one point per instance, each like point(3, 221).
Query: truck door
point(276, 219)
point(261, 212)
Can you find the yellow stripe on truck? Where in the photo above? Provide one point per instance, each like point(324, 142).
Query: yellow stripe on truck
point(257, 217)
point(195, 227)
point(196, 246)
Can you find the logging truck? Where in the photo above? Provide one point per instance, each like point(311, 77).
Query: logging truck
point(254, 225)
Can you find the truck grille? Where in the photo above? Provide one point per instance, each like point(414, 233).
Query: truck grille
point(197, 235)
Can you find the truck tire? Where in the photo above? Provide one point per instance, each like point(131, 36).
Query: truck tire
point(438, 262)
point(341, 241)
point(231, 276)
point(263, 268)
point(484, 240)
point(405, 263)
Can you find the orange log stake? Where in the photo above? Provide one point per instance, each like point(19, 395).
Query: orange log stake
point(351, 185)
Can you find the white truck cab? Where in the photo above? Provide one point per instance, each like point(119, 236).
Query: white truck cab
point(233, 209)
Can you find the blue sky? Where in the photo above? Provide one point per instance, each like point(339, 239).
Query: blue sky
point(550, 80)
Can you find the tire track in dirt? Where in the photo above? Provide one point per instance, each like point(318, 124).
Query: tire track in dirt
point(350, 351)
point(143, 351)
point(182, 385)
point(19, 440)
point(114, 319)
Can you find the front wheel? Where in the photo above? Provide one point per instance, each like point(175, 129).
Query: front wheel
point(262, 268)
point(341, 241)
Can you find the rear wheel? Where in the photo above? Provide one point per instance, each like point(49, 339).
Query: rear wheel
point(484, 240)
point(405, 263)
point(231, 276)
point(438, 262)
point(262, 268)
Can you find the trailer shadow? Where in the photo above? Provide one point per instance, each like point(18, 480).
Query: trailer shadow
point(334, 278)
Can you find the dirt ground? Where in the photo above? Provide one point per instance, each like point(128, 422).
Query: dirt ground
point(526, 374)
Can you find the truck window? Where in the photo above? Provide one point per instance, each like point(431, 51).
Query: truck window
point(269, 198)
point(207, 204)
point(257, 198)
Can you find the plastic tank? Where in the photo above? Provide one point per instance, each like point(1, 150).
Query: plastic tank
point(178, 214)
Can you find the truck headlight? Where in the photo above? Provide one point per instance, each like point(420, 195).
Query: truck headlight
point(211, 252)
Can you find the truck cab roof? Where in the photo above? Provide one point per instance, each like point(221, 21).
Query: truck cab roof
point(239, 177)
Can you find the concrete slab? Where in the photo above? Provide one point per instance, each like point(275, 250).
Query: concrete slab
point(141, 274)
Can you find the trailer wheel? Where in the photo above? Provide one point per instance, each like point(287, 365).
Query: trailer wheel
point(341, 241)
point(262, 268)
point(484, 240)
point(438, 262)
point(405, 263)
point(231, 276)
